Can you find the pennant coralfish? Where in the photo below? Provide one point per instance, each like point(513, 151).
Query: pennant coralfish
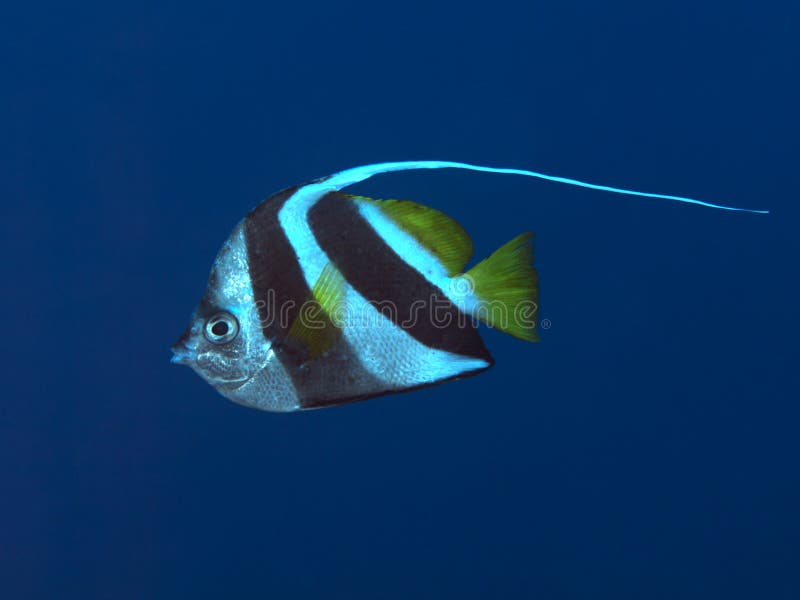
point(321, 298)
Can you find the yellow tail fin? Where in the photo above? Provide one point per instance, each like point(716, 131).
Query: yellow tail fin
point(506, 287)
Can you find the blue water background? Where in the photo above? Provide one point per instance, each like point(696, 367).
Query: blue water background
point(647, 448)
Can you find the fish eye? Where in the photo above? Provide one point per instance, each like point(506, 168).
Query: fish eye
point(221, 328)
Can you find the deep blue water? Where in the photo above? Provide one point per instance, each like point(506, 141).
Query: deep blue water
point(646, 448)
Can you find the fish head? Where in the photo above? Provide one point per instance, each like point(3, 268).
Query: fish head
point(224, 342)
point(218, 347)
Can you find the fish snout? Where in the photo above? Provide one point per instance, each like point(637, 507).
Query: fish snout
point(181, 352)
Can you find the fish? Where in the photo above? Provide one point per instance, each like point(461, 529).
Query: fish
point(320, 298)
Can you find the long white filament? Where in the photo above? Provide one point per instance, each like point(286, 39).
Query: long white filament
point(356, 174)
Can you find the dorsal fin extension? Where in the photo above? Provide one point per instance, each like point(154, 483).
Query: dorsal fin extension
point(350, 176)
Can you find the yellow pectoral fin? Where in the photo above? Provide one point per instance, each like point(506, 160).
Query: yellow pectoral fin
point(317, 326)
point(438, 233)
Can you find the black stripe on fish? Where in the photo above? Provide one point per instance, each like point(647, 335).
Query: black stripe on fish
point(336, 378)
point(279, 287)
point(376, 271)
point(323, 402)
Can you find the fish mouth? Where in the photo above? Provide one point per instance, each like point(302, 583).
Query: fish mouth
point(179, 359)
point(181, 355)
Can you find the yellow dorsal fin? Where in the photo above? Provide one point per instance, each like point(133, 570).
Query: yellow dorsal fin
point(438, 233)
point(318, 325)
